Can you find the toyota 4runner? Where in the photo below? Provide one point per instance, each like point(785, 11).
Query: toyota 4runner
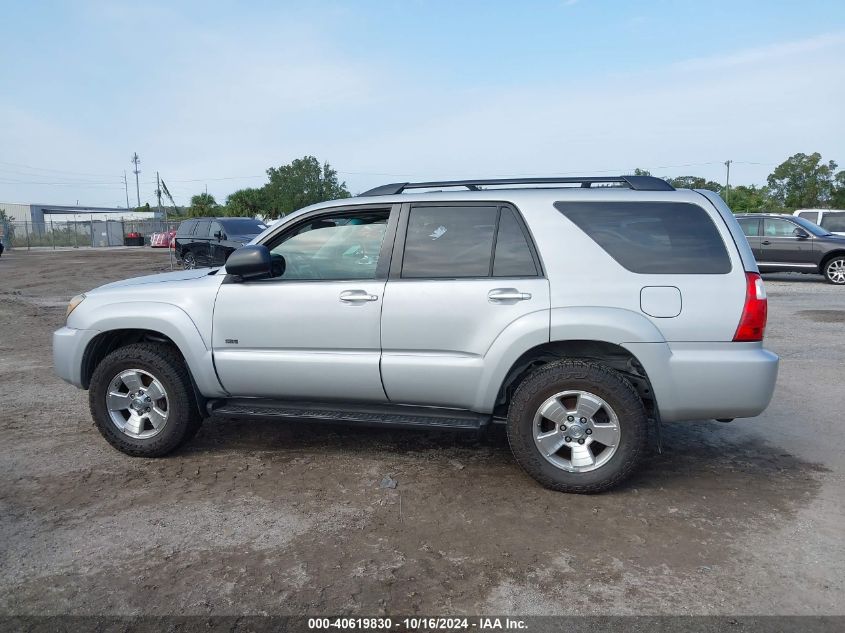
point(573, 310)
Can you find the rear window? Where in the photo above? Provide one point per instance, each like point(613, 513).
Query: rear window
point(653, 237)
point(812, 216)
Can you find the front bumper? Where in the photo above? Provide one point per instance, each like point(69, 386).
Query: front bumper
point(695, 381)
point(69, 346)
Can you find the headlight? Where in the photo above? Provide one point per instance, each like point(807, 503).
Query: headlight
point(72, 305)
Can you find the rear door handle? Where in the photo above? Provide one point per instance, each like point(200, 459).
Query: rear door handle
point(507, 294)
point(765, 242)
point(355, 296)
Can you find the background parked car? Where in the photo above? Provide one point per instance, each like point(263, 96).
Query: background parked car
point(832, 220)
point(793, 244)
point(209, 241)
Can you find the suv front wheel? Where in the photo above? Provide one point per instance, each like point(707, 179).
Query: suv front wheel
point(577, 426)
point(142, 401)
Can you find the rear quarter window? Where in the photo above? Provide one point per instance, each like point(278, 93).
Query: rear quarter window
point(653, 237)
point(186, 228)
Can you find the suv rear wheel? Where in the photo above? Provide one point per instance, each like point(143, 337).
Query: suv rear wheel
point(189, 261)
point(834, 270)
point(142, 401)
point(577, 426)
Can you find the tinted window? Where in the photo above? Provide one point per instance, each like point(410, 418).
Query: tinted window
point(513, 256)
point(243, 226)
point(834, 222)
point(750, 226)
point(334, 247)
point(653, 237)
point(815, 229)
point(187, 227)
point(774, 227)
point(812, 216)
point(202, 228)
point(216, 228)
point(448, 242)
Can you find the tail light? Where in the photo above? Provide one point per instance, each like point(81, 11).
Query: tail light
point(754, 312)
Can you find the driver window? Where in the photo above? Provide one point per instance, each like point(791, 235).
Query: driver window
point(778, 228)
point(343, 246)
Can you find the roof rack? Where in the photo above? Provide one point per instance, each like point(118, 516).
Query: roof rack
point(638, 183)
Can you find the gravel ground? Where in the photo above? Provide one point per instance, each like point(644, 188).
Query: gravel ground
point(289, 518)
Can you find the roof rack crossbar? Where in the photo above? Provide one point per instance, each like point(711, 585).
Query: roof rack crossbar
point(638, 183)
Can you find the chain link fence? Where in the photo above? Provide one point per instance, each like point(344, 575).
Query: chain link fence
point(82, 233)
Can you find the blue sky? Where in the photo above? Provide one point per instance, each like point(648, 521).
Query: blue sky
point(213, 93)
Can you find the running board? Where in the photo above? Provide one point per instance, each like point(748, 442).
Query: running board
point(393, 415)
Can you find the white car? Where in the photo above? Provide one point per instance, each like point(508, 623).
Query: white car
point(831, 220)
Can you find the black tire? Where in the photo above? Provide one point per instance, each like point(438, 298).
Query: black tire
point(594, 378)
point(166, 364)
point(828, 271)
point(189, 260)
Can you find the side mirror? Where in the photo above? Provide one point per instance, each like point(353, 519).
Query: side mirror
point(250, 263)
point(219, 235)
point(800, 234)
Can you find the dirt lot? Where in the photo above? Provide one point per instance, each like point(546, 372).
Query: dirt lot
point(289, 518)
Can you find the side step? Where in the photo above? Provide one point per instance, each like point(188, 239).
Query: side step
point(393, 415)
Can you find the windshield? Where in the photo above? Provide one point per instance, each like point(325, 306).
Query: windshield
point(244, 226)
point(834, 222)
point(815, 229)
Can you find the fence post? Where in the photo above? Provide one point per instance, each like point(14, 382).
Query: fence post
point(52, 234)
point(75, 235)
point(26, 230)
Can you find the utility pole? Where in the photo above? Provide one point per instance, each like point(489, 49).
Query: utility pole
point(136, 171)
point(728, 181)
point(166, 227)
point(126, 189)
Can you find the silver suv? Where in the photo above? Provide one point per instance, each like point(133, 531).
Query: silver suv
point(574, 311)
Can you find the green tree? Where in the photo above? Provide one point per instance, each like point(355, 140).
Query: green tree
point(203, 204)
point(837, 201)
point(695, 182)
point(751, 199)
point(304, 181)
point(641, 172)
point(803, 181)
point(247, 203)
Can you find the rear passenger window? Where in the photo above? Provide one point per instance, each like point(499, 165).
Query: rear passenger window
point(449, 242)
point(653, 237)
point(750, 226)
point(202, 228)
point(513, 257)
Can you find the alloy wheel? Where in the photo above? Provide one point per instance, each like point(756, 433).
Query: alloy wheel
point(576, 431)
point(137, 403)
point(835, 271)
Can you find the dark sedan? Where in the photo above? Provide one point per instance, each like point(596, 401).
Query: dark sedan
point(786, 243)
point(209, 241)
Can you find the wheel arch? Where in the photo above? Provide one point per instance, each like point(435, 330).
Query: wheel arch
point(828, 256)
point(106, 342)
point(612, 355)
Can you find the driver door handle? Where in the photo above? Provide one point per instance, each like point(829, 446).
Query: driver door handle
point(355, 296)
point(507, 294)
point(765, 242)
